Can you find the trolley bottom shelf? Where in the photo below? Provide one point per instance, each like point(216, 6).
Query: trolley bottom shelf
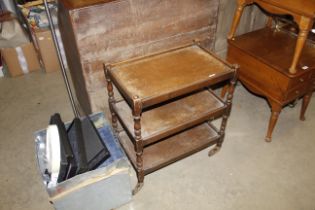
point(171, 149)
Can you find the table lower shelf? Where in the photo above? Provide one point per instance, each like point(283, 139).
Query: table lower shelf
point(172, 117)
point(174, 148)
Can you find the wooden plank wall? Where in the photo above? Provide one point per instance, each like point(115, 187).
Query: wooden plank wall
point(123, 29)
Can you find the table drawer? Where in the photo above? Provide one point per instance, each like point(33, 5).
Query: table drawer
point(297, 92)
point(312, 80)
point(313, 83)
point(302, 80)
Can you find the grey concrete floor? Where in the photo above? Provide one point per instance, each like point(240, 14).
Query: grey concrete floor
point(246, 174)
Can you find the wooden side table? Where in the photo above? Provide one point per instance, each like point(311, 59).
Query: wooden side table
point(167, 106)
point(274, 63)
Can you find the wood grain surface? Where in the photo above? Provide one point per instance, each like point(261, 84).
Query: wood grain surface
point(167, 75)
point(172, 117)
point(172, 149)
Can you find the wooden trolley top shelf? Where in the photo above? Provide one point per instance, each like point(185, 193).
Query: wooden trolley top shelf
point(164, 76)
point(275, 48)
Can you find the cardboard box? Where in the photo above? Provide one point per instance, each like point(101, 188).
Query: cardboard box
point(47, 50)
point(12, 33)
point(20, 60)
point(42, 39)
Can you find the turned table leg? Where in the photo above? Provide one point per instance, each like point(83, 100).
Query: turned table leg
point(137, 109)
point(237, 17)
point(304, 25)
point(269, 21)
point(111, 99)
point(231, 88)
point(218, 146)
point(225, 90)
point(275, 112)
point(305, 103)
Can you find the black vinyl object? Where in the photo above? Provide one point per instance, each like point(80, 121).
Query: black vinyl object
point(75, 135)
point(68, 164)
point(96, 151)
point(81, 147)
point(88, 147)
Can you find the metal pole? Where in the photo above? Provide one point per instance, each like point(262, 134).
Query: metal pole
point(63, 69)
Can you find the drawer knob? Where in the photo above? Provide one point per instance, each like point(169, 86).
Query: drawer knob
point(297, 92)
point(301, 80)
